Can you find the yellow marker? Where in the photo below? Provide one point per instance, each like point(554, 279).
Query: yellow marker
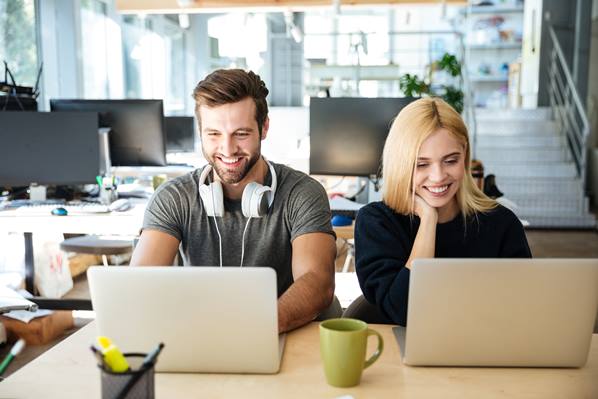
point(113, 356)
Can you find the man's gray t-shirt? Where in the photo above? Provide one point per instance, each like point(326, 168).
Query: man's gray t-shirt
point(300, 206)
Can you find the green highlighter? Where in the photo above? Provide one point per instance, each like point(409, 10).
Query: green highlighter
point(14, 351)
point(113, 357)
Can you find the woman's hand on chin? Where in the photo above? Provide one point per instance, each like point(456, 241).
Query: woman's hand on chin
point(425, 210)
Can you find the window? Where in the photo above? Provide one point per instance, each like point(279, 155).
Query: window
point(101, 57)
point(18, 45)
point(364, 51)
point(154, 61)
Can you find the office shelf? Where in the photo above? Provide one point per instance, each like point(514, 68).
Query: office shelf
point(489, 79)
point(495, 46)
point(495, 10)
point(492, 42)
point(364, 72)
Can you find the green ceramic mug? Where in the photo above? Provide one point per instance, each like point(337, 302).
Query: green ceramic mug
point(343, 343)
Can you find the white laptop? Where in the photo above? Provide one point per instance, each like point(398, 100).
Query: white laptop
point(500, 312)
point(211, 319)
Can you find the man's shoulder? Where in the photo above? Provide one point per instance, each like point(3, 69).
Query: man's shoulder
point(284, 172)
point(291, 179)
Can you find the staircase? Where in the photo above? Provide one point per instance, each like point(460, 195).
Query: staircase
point(533, 166)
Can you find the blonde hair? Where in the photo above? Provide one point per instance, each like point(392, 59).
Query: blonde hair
point(412, 126)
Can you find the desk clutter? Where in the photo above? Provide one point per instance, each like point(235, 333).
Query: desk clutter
point(40, 330)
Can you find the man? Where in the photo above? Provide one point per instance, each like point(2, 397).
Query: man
point(294, 236)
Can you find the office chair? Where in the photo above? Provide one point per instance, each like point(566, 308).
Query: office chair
point(350, 254)
point(331, 312)
point(361, 309)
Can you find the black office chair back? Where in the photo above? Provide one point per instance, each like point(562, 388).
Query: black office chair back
point(361, 309)
point(333, 311)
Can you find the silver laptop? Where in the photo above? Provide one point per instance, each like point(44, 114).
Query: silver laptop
point(211, 319)
point(500, 312)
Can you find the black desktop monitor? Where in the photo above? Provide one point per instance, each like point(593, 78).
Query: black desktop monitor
point(48, 148)
point(180, 133)
point(347, 134)
point(136, 128)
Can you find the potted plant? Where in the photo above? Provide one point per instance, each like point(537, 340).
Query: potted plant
point(413, 86)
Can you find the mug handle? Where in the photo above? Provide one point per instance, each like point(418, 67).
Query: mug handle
point(379, 350)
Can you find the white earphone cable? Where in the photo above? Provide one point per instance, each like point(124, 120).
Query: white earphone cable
point(243, 241)
point(216, 224)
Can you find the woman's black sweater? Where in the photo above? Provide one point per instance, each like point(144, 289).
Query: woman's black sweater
point(384, 239)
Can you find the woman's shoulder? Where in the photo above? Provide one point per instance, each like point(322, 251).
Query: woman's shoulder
point(499, 215)
point(379, 210)
point(376, 208)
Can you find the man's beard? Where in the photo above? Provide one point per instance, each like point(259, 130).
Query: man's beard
point(233, 177)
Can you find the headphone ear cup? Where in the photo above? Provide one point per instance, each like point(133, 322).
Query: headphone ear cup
point(215, 207)
point(248, 193)
point(255, 202)
point(262, 201)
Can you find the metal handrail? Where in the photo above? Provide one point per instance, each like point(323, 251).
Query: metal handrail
point(567, 107)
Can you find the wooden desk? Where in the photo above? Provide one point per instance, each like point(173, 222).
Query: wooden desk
point(345, 232)
point(122, 223)
point(68, 371)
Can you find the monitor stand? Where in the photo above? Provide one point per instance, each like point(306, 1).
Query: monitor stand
point(37, 193)
point(105, 160)
point(374, 190)
point(363, 196)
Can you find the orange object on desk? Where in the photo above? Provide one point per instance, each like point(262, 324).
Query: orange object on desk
point(40, 330)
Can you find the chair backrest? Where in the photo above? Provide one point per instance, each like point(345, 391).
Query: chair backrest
point(333, 311)
point(361, 309)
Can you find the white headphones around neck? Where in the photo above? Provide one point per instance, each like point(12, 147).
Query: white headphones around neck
point(255, 203)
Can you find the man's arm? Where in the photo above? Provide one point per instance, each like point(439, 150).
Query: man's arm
point(155, 248)
point(313, 288)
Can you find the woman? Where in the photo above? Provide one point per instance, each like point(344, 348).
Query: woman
point(430, 207)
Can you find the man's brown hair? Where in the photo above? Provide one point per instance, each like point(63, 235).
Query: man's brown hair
point(226, 86)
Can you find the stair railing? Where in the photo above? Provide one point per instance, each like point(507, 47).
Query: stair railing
point(567, 107)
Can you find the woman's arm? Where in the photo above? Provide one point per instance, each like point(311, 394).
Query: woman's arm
point(425, 240)
point(514, 242)
point(383, 246)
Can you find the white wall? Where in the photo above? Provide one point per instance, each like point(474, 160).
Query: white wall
point(287, 140)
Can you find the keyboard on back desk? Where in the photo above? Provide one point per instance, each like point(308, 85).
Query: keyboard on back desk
point(83, 208)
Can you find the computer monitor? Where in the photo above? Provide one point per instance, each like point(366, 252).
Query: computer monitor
point(48, 148)
point(347, 134)
point(180, 133)
point(136, 128)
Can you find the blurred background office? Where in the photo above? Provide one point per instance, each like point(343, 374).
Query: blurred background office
point(501, 63)
point(524, 75)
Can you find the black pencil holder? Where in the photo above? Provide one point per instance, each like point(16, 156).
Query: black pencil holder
point(114, 383)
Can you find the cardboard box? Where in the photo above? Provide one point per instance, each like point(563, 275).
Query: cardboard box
point(41, 330)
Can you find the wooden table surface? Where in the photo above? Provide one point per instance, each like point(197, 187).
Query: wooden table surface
point(68, 371)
